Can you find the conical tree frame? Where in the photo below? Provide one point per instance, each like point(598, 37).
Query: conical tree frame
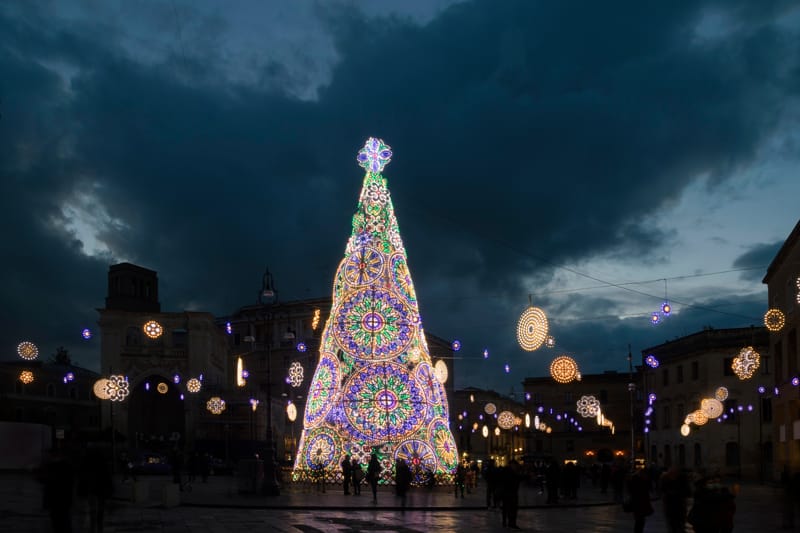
point(374, 389)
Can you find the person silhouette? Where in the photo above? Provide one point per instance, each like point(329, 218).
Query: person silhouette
point(373, 474)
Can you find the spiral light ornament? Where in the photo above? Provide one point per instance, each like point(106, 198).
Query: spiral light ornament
point(532, 329)
point(712, 407)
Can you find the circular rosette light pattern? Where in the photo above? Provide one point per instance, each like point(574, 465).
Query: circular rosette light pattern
point(746, 363)
point(774, 320)
point(506, 420)
point(419, 456)
point(564, 369)
point(440, 436)
point(363, 267)
point(721, 394)
point(430, 385)
point(383, 403)
point(712, 407)
point(323, 390)
point(323, 448)
point(588, 406)
point(116, 388)
point(27, 350)
point(532, 329)
point(490, 408)
point(374, 324)
point(402, 278)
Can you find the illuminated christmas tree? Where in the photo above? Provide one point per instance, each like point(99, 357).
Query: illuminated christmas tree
point(374, 389)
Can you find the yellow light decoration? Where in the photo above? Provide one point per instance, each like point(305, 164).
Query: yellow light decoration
point(532, 329)
point(440, 371)
point(685, 430)
point(548, 430)
point(475, 426)
point(550, 342)
point(721, 394)
point(240, 381)
point(215, 405)
point(506, 419)
point(536, 422)
point(153, 329)
point(564, 369)
point(517, 421)
point(471, 398)
point(746, 363)
point(254, 404)
point(712, 407)
point(99, 389)
point(497, 432)
point(689, 418)
point(27, 350)
point(700, 418)
point(527, 420)
point(315, 320)
point(116, 387)
point(414, 356)
point(485, 431)
point(774, 320)
point(193, 385)
point(490, 408)
point(291, 412)
point(26, 376)
point(162, 388)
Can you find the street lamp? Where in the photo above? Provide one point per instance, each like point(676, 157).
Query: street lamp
point(267, 298)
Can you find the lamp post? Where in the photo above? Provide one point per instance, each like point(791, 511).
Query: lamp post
point(267, 298)
point(631, 391)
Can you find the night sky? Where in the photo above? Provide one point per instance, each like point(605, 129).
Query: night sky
point(575, 152)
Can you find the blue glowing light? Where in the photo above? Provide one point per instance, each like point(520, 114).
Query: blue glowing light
point(761, 390)
point(507, 368)
point(652, 397)
point(666, 309)
point(647, 430)
point(456, 345)
point(301, 347)
point(228, 328)
point(777, 391)
point(176, 379)
point(86, 334)
point(655, 319)
point(527, 395)
point(245, 373)
point(147, 385)
point(181, 396)
point(200, 377)
point(70, 376)
point(486, 353)
point(651, 361)
point(795, 381)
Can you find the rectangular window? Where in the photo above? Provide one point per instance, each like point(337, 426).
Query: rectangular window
point(730, 410)
point(727, 369)
point(695, 370)
point(680, 414)
point(766, 409)
point(665, 377)
point(667, 416)
point(603, 397)
point(679, 376)
point(567, 397)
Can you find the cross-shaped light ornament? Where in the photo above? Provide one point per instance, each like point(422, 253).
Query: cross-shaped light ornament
point(375, 155)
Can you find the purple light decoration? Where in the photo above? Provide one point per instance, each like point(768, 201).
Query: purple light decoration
point(65, 379)
point(652, 397)
point(70, 376)
point(719, 419)
point(245, 373)
point(655, 319)
point(147, 385)
point(725, 416)
point(666, 309)
point(540, 409)
point(495, 415)
point(480, 417)
point(580, 429)
point(551, 410)
point(558, 417)
point(86, 334)
point(795, 381)
point(200, 377)
point(750, 408)
point(374, 156)
point(176, 379)
point(301, 347)
point(455, 345)
point(486, 353)
point(651, 361)
point(646, 430)
point(777, 391)
point(287, 380)
point(761, 390)
point(181, 396)
point(507, 368)
point(647, 421)
point(464, 414)
point(460, 427)
point(740, 408)
point(528, 396)
point(228, 328)
point(649, 411)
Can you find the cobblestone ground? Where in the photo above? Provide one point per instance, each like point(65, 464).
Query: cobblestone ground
point(758, 509)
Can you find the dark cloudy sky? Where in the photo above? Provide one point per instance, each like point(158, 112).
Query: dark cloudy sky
point(578, 152)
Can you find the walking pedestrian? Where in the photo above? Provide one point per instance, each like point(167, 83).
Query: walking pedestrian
point(58, 483)
point(461, 473)
point(357, 474)
point(639, 490)
point(95, 484)
point(347, 472)
point(490, 475)
point(674, 491)
point(552, 476)
point(402, 480)
point(373, 474)
point(508, 485)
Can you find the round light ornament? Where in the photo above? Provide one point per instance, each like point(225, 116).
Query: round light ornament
point(506, 420)
point(27, 350)
point(26, 377)
point(721, 394)
point(712, 407)
point(746, 363)
point(485, 431)
point(152, 329)
point(291, 412)
point(550, 342)
point(215, 405)
point(532, 329)
point(162, 388)
point(490, 408)
point(296, 374)
point(588, 406)
point(564, 369)
point(774, 320)
point(440, 371)
point(99, 389)
point(689, 418)
point(193, 385)
point(497, 432)
point(116, 387)
point(700, 418)
point(685, 430)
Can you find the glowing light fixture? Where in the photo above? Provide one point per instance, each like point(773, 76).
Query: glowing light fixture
point(291, 412)
point(296, 374)
point(721, 394)
point(116, 388)
point(507, 368)
point(99, 388)
point(485, 431)
point(685, 430)
point(254, 404)
point(655, 319)
point(700, 418)
point(746, 363)
point(536, 422)
point(486, 353)
point(712, 407)
point(564, 369)
point(455, 345)
point(162, 388)
point(774, 320)
point(550, 341)
point(153, 329)
point(588, 406)
point(27, 350)
point(532, 329)
point(86, 334)
point(26, 376)
point(471, 398)
point(506, 419)
point(215, 405)
point(527, 420)
point(240, 380)
point(651, 361)
point(193, 385)
point(315, 320)
point(490, 408)
point(666, 309)
point(440, 371)
point(497, 432)
point(301, 347)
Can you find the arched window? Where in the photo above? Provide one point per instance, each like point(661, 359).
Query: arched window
point(133, 337)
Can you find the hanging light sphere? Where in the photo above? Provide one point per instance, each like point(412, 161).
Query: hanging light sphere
point(548, 429)
point(99, 389)
point(440, 371)
point(700, 418)
point(291, 412)
point(666, 309)
point(485, 431)
point(86, 334)
point(490, 408)
point(651, 361)
point(215, 405)
point(301, 347)
point(27, 350)
point(506, 419)
point(712, 407)
point(685, 430)
point(532, 329)
point(162, 388)
point(655, 318)
point(26, 376)
point(774, 320)
point(746, 363)
point(153, 329)
point(721, 394)
point(564, 369)
point(193, 385)
point(550, 342)
point(456, 345)
point(497, 432)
